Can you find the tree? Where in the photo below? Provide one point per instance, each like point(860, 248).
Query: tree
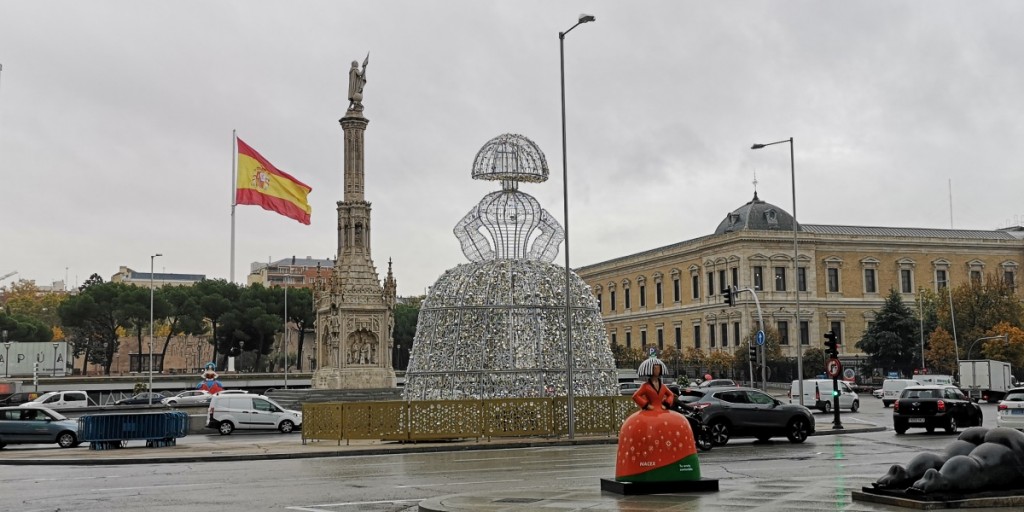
point(301, 313)
point(1010, 349)
point(940, 355)
point(814, 362)
point(135, 305)
point(891, 341)
point(215, 300)
point(96, 315)
point(183, 315)
point(25, 300)
point(979, 307)
point(406, 318)
point(719, 361)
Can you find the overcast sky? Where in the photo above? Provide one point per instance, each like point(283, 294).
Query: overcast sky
point(116, 121)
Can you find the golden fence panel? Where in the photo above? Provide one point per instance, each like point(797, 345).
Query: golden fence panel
point(445, 419)
point(322, 421)
point(456, 419)
point(507, 417)
point(376, 420)
point(593, 414)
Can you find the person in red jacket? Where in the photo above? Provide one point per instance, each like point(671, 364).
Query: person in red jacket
point(653, 395)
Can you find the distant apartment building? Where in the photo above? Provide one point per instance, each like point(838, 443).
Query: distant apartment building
point(157, 279)
point(290, 272)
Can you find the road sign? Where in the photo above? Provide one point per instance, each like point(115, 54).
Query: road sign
point(759, 338)
point(833, 367)
point(849, 375)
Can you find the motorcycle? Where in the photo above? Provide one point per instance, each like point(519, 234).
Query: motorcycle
point(701, 432)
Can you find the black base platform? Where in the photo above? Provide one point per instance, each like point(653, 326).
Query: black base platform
point(938, 501)
point(630, 488)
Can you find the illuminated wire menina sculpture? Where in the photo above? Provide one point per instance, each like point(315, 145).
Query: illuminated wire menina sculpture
point(495, 327)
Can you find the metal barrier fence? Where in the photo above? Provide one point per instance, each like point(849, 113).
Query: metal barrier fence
point(104, 431)
point(460, 419)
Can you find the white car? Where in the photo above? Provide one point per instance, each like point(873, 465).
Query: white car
point(248, 412)
point(1010, 411)
point(877, 393)
point(190, 397)
point(232, 392)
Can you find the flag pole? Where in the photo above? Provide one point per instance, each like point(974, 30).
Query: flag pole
point(234, 184)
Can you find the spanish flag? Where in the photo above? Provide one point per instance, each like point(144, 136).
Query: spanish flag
point(262, 184)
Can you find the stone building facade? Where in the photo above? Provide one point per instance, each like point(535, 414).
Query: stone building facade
point(672, 295)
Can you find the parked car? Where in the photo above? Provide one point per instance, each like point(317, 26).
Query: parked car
point(732, 412)
point(717, 383)
point(190, 397)
point(891, 389)
point(142, 399)
point(932, 407)
point(877, 393)
point(60, 400)
point(818, 394)
point(33, 424)
point(628, 388)
point(1010, 411)
point(17, 398)
point(232, 392)
point(249, 411)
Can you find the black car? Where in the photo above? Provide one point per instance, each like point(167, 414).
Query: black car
point(17, 398)
point(934, 406)
point(142, 399)
point(746, 412)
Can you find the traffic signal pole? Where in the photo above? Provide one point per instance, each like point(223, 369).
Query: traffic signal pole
point(834, 368)
point(730, 294)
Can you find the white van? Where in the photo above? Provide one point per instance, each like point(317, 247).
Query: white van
point(941, 380)
point(250, 412)
point(891, 389)
point(60, 400)
point(818, 395)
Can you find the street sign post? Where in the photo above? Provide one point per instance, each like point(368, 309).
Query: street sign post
point(759, 338)
point(833, 368)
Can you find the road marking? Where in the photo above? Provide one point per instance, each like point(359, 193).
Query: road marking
point(351, 503)
point(462, 483)
point(155, 486)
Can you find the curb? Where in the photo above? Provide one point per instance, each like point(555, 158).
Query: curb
point(355, 452)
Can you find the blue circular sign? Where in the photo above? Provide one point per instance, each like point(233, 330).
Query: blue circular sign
point(759, 338)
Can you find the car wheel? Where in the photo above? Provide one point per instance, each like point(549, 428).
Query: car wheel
point(951, 426)
point(855, 406)
point(885, 404)
point(827, 408)
point(796, 432)
point(763, 438)
point(172, 403)
point(226, 428)
point(286, 427)
point(67, 440)
point(900, 427)
point(719, 433)
point(930, 430)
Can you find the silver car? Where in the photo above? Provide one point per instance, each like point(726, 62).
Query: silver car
point(190, 397)
point(25, 424)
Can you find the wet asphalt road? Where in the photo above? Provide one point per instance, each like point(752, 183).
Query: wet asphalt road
point(757, 476)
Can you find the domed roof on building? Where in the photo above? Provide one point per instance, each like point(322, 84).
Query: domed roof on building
point(757, 215)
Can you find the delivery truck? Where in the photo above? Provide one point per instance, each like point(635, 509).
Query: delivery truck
point(985, 379)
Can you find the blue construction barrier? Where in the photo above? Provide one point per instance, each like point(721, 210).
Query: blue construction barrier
point(106, 431)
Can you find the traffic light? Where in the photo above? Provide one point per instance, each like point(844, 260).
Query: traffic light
point(752, 353)
point(832, 343)
point(730, 295)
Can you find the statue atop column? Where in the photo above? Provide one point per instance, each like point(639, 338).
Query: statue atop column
point(356, 81)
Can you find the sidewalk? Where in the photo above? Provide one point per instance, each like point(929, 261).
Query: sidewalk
point(201, 447)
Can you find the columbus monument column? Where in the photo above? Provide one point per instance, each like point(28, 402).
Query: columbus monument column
point(354, 311)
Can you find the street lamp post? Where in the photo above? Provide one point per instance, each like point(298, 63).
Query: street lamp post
point(55, 345)
point(151, 260)
point(796, 266)
point(584, 18)
point(7, 355)
point(920, 316)
point(1004, 337)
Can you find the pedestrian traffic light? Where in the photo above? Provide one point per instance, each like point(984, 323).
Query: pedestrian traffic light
point(752, 353)
point(832, 343)
point(730, 295)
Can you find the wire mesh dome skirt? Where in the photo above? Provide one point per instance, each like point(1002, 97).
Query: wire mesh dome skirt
point(510, 157)
point(495, 329)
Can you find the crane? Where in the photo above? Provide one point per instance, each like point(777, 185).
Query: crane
point(9, 274)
